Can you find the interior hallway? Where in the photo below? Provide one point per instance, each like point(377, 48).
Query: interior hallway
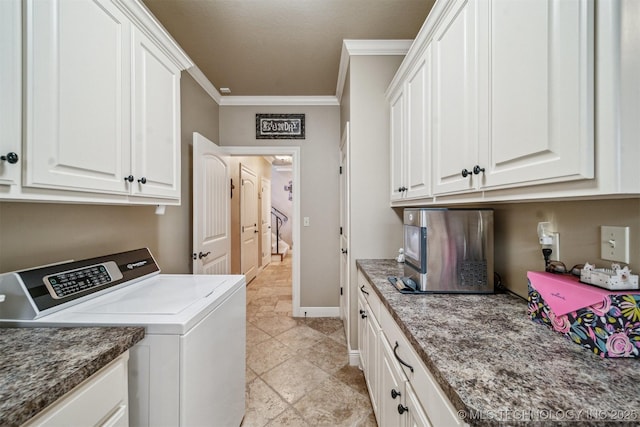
point(297, 369)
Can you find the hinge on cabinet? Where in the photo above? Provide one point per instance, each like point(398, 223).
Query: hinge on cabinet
point(340, 290)
point(340, 170)
point(341, 231)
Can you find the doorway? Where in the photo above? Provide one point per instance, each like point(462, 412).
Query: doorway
point(294, 153)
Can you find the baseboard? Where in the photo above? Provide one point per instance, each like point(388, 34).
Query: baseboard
point(354, 357)
point(319, 312)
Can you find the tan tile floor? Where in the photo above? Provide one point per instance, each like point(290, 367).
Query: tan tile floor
point(297, 369)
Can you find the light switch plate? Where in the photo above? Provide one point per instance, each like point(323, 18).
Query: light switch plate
point(305, 221)
point(614, 243)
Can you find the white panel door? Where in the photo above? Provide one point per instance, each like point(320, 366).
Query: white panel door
point(248, 222)
point(156, 123)
point(265, 220)
point(10, 91)
point(78, 57)
point(417, 156)
point(455, 91)
point(541, 92)
point(211, 208)
point(345, 220)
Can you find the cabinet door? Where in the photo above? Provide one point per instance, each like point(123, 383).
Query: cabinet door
point(541, 122)
point(397, 127)
point(362, 335)
point(455, 96)
point(417, 155)
point(372, 330)
point(415, 414)
point(156, 124)
point(392, 387)
point(77, 95)
point(10, 91)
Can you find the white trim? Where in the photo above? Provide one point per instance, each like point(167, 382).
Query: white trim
point(319, 312)
point(354, 357)
point(204, 82)
point(294, 152)
point(366, 47)
point(149, 24)
point(278, 100)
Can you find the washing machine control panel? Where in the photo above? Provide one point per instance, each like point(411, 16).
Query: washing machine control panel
point(67, 283)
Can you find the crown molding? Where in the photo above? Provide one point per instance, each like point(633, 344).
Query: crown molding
point(366, 47)
point(279, 100)
point(204, 82)
point(147, 23)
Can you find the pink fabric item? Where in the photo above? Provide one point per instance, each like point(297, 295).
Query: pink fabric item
point(564, 293)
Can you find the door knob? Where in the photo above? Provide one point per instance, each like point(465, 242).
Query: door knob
point(344, 251)
point(203, 255)
point(10, 157)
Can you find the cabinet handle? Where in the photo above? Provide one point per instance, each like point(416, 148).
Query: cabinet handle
point(10, 157)
point(142, 180)
point(129, 178)
point(363, 291)
point(402, 362)
point(363, 314)
point(402, 409)
point(203, 255)
point(477, 169)
point(395, 393)
point(466, 173)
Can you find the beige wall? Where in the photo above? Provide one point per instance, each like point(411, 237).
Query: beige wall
point(262, 168)
point(516, 241)
point(39, 233)
point(376, 230)
point(319, 248)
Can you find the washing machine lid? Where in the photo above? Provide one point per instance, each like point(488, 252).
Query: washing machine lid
point(164, 304)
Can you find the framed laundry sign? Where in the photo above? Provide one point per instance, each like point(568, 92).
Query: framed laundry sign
point(279, 126)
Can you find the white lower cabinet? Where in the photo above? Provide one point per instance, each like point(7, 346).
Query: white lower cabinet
point(402, 389)
point(101, 400)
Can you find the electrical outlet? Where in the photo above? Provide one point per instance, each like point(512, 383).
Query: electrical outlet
point(614, 243)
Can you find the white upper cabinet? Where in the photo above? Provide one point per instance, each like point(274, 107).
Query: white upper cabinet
point(456, 83)
point(10, 93)
point(77, 96)
point(541, 125)
point(411, 133)
point(102, 96)
point(156, 124)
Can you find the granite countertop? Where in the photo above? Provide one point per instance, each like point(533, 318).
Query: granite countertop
point(39, 365)
point(491, 360)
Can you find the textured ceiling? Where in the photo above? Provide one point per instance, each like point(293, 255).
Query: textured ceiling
point(281, 47)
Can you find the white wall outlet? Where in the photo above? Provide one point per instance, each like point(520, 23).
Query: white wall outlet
point(305, 221)
point(614, 243)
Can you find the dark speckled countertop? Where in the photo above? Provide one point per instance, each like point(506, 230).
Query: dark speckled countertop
point(490, 359)
point(39, 365)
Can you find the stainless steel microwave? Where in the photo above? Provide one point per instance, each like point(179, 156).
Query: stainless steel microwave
point(449, 250)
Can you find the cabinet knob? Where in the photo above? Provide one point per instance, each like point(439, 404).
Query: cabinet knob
point(477, 169)
point(129, 178)
point(10, 157)
point(344, 251)
point(466, 173)
point(402, 409)
point(395, 393)
point(402, 189)
point(363, 314)
point(142, 180)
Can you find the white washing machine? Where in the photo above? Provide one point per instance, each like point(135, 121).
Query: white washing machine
point(189, 370)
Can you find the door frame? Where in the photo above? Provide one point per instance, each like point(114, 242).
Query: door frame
point(294, 152)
